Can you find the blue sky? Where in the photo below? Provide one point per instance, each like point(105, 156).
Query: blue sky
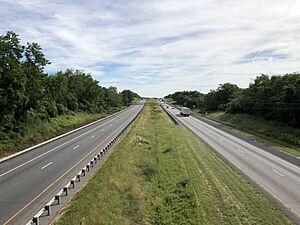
point(156, 47)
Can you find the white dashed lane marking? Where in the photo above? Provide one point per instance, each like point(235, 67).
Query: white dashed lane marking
point(278, 173)
point(46, 165)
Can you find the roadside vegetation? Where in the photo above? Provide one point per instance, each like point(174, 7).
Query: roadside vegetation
point(161, 173)
point(42, 130)
point(269, 108)
point(30, 99)
point(271, 97)
point(275, 133)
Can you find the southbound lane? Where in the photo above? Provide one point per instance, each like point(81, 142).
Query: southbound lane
point(26, 181)
point(276, 176)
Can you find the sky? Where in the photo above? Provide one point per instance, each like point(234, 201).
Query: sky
point(157, 47)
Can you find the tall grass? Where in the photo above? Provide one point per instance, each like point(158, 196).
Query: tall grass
point(287, 138)
point(40, 130)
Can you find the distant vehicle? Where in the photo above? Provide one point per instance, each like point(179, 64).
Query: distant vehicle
point(185, 111)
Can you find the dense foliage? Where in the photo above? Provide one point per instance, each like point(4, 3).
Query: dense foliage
point(271, 97)
point(191, 99)
point(28, 94)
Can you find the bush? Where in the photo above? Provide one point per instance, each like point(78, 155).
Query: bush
point(61, 109)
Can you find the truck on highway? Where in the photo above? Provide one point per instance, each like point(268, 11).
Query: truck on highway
point(185, 111)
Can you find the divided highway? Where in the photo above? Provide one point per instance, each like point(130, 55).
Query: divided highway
point(277, 177)
point(28, 181)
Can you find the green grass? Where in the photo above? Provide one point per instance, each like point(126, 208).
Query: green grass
point(135, 101)
point(161, 173)
point(43, 130)
point(72, 120)
point(275, 133)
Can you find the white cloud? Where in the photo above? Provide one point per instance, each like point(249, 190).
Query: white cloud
point(157, 47)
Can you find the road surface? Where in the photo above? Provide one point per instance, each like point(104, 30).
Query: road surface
point(277, 177)
point(29, 181)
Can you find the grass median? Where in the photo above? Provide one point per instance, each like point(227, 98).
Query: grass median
point(161, 173)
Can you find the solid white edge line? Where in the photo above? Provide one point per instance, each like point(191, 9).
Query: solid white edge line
point(233, 138)
point(75, 147)
point(60, 136)
point(23, 164)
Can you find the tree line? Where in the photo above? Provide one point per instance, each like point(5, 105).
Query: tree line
point(28, 94)
point(271, 97)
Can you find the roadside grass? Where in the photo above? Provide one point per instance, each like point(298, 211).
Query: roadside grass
point(161, 173)
point(45, 129)
point(275, 133)
point(135, 101)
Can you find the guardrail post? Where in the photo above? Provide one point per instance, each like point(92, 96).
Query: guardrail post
point(88, 167)
point(48, 209)
point(95, 159)
point(73, 183)
point(57, 197)
point(78, 177)
point(83, 171)
point(92, 163)
point(36, 220)
point(66, 190)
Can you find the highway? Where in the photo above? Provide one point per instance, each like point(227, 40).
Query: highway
point(275, 176)
point(28, 181)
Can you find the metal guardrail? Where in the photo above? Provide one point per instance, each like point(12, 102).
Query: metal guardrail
point(71, 184)
point(170, 115)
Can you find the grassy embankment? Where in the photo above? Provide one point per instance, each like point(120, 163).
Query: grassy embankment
point(161, 173)
point(45, 129)
point(275, 133)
